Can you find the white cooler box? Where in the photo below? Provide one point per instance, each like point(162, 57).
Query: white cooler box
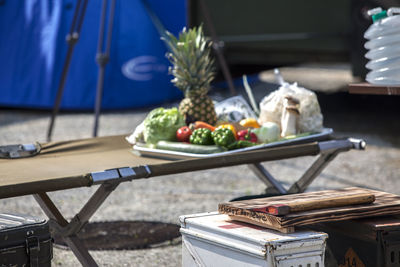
point(212, 239)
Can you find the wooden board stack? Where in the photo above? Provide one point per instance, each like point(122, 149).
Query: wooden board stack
point(283, 213)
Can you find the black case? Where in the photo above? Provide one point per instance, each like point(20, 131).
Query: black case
point(371, 242)
point(24, 241)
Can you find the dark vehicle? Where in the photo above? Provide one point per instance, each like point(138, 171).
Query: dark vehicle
point(276, 33)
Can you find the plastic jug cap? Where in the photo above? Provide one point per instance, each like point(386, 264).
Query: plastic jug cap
point(379, 16)
point(377, 13)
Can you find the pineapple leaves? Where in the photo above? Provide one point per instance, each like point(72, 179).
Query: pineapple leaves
point(190, 55)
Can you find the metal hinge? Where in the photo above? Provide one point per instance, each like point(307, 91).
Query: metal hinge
point(101, 177)
point(126, 173)
point(19, 151)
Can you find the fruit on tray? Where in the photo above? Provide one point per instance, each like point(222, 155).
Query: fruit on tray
point(223, 137)
point(183, 134)
point(193, 70)
point(201, 136)
point(189, 148)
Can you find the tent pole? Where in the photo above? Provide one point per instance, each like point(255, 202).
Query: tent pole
point(71, 38)
point(103, 57)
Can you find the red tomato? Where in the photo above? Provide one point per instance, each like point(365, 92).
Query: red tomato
point(183, 134)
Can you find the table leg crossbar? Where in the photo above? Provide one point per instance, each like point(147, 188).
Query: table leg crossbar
point(267, 178)
point(302, 183)
point(69, 230)
point(329, 150)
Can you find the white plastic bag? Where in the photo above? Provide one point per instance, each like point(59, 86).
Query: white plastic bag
point(310, 119)
point(234, 109)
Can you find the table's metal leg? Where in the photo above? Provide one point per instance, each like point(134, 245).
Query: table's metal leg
point(68, 230)
point(267, 178)
point(80, 251)
point(312, 172)
point(91, 206)
point(73, 242)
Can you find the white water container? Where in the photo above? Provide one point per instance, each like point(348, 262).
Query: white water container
point(384, 47)
point(213, 240)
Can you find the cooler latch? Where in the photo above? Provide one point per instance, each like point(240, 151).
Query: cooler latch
point(32, 249)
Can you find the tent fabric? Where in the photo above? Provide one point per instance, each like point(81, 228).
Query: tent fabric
point(33, 50)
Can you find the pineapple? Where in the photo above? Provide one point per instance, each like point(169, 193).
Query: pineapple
point(193, 70)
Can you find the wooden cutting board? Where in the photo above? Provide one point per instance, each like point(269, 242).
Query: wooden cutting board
point(279, 206)
point(302, 212)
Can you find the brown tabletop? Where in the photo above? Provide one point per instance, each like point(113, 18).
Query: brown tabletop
point(63, 165)
point(371, 89)
point(71, 164)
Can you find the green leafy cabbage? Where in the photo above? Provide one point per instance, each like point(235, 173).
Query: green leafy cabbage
point(162, 124)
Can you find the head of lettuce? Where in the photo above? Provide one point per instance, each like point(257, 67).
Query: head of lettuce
point(162, 124)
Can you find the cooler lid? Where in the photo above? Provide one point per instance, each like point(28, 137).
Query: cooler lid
point(221, 226)
point(8, 221)
point(387, 223)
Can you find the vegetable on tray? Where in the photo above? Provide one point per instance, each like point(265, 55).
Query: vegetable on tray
point(250, 123)
point(247, 135)
point(201, 136)
point(268, 132)
point(201, 124)
point(230, 127)
point(189, 148)
point(290, 137)
point(162, 124)
point(223, 137)
point(241, 144)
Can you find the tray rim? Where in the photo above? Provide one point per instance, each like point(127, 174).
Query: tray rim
point(176, 155)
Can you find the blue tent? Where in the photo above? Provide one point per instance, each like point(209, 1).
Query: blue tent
point(33, 49)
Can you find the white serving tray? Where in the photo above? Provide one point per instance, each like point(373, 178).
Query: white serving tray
point(169, 154)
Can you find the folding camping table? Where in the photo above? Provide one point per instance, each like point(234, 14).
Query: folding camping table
point(109, 161)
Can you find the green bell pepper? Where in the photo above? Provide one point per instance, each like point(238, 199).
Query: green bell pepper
point(223, 137)
point(201, 136)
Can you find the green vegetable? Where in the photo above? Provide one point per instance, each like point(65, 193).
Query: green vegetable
point(201, 136)
point(289, 137)
point(162, 124)
point(189, 148)
point(223, 137)
point(241, 144)
point(268, 132)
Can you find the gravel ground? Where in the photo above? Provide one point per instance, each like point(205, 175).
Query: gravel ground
point(174, 195)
